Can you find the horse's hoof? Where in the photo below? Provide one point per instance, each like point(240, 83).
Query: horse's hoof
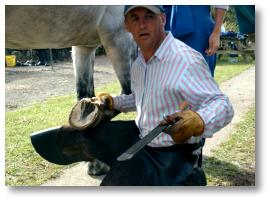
point(96, 167)
point(86, 114)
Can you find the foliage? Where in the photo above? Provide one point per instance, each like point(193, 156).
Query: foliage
point(230, 21)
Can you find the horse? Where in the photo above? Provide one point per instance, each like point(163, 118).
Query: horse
point(84, 28)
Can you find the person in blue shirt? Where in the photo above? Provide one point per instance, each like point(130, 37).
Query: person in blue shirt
point(194, 25)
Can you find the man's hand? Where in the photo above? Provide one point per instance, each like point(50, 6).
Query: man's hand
point(214, 42)
point(214, 39)
point(103, 100)
point(187, 124)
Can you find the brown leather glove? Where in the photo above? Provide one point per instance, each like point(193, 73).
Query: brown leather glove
point(103, 100)
point(187, 124)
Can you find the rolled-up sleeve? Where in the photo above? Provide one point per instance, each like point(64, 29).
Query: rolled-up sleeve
point(125, 103)
point(225, 7)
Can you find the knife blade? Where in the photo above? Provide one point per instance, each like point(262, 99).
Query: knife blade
point(129, 153)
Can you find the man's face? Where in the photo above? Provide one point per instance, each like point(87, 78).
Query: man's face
point(146, 27)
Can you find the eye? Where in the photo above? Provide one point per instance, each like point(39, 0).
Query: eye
point(134, 18)
point(149, 16)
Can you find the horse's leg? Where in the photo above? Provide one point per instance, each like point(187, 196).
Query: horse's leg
point(120, 48)
point(83, 62)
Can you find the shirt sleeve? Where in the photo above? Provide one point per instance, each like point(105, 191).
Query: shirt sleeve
point(225, 7)
point(125, 103)
point(204, 96)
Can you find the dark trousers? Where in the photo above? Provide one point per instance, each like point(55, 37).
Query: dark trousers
point(149, 167)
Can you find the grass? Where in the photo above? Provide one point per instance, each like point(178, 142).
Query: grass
point(233, 162)
point(225, 71)
point(23, 166)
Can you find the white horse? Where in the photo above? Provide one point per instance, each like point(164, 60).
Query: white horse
point(82, 27)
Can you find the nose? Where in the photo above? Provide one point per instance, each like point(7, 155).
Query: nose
point(142, 23)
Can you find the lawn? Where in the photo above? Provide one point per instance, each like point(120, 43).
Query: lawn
point(24, 167)
point(233, 162)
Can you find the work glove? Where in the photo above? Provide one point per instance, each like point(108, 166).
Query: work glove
point(89, 112)
point(185, 124)
point(103, 100)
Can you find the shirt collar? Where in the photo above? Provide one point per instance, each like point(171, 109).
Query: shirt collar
point(160, 53)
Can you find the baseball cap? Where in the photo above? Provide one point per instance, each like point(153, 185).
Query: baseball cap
point(154, 8)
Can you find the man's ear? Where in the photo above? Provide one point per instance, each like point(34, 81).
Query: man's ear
point(163, 18)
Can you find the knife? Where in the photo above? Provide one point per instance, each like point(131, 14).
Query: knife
point(130, 152)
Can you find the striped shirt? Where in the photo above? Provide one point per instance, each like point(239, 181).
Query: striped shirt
point(175, 73)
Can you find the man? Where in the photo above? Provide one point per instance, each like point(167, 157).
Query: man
point(166, 74)
point(193, 25)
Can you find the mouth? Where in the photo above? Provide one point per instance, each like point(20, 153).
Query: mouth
point(143, 35)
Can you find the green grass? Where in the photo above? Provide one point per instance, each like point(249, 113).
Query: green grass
point(23, 166)
point(225, 71)
point(233, 162)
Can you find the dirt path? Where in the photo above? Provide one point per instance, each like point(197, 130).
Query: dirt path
point(27, 85)
point(241, 91)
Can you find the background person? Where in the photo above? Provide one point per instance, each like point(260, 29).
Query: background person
point(194, 25)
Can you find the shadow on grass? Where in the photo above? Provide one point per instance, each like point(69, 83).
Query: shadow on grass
point(240, 60)
point(222, 173)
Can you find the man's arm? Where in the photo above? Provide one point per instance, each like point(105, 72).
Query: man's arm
point(214, 39)
point(209, 111)
point(202, 92)
point(124, 103)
